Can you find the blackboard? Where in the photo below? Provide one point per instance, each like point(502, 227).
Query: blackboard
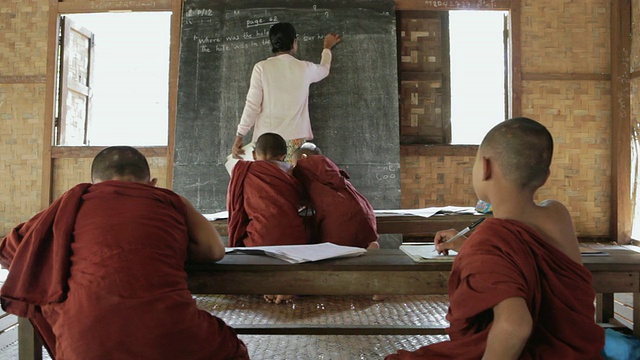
point(354, 111)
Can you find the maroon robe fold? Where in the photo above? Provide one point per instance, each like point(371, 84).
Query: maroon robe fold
point(342, 215)
point(263, 202)
point(503, 259)
point(101, 275)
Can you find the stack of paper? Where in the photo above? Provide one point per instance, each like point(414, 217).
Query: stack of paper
point(302, 253)
point(426, 252)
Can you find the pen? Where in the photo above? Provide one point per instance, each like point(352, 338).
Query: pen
point(465, 230)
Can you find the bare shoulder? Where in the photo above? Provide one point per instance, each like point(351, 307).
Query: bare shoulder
point(556, 226)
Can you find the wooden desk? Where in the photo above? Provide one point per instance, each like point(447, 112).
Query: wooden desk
point(407, 225)
point(383, 272)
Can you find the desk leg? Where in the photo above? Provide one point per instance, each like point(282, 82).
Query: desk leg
point(29, 347)
point(604, 308)
point(636, 314)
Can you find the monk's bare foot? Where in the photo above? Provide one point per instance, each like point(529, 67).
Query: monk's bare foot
point(277, 299)
point(374, 245)
point(379, 297)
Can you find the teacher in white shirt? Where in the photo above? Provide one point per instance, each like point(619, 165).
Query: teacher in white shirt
point(278, 97)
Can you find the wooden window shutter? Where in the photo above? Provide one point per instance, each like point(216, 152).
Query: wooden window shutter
point(425, 90)
point(75, 84)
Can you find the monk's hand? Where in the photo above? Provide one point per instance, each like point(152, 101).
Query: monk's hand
point(442, 246)
point(236, 149)
point(331, 40)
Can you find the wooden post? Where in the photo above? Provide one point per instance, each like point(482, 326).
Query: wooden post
point(621, 216)
point(29, 346)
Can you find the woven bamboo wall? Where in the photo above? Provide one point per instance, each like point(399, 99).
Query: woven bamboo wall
point(566, 36)
point(436, 181)
point(578, 115)
point(561, 37)
point(71, 171)
point(23, 37)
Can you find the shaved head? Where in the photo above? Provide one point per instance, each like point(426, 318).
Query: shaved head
point(523, 149)
point(308, 149)
point(120, 163)
point(271, 145)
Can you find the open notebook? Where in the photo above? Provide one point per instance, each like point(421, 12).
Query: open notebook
point(425, 252)
point(302, 253)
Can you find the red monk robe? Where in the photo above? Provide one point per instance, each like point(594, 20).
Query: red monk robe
point(343, 216)
point(100, 273)
point(503, 259)
point(263, 203)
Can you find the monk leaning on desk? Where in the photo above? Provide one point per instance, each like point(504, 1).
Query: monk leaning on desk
point(100, 273)
point(517, 289)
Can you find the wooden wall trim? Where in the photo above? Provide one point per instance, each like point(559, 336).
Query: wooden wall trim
point(89, 152)
point(516, 58)
point(565, 77)
point(49, 110)
point(445, 5)
point(621, 216)
point(438, 150)
point(33, 79)
point(174, 64)
point(73, 7)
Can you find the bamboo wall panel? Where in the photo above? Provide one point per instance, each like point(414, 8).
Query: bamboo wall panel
point(68, 172)
point(23, 38)
point(566, 36)
point(436, 181)
point(579, 118)
point(21, 133)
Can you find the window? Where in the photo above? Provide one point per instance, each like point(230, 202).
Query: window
point(477, 48)
point(452, 75)
point(114, 79)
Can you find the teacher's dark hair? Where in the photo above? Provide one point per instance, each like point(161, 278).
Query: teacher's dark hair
point(121, 163)
point(282, 36)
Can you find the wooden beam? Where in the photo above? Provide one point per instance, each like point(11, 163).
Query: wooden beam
point(74, 7)
point(89, 152)
point(565, 77)
point(36, 79)
point(438, 150)
point(50, 104)
point(444, 5)
point(621, 216)
point(516, 58)
point(174, 64)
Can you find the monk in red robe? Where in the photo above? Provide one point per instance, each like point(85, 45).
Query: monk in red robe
point(263, 198)
point(100, 273)
point(518, 289)
point(341, 214)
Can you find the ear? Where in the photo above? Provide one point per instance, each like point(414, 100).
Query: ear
point(281, 158)
point(253, 152)
point(153, 182)
point(304, 156)
point(486, 168)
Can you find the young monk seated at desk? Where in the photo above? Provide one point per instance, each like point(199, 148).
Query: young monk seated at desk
point(263, 198)
point(263, 201)
point(517, 289)
point(341, 214)
point(100, 272)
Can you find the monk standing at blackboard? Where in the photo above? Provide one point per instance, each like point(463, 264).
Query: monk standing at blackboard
point(278, 97)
